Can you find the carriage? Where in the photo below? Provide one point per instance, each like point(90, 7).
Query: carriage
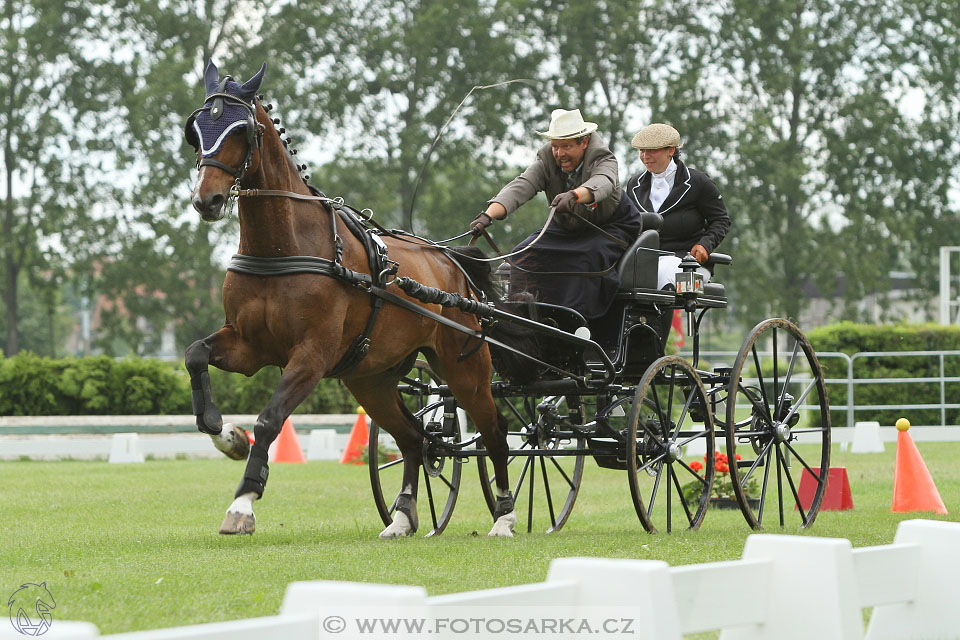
point(321, 290)
point(661, 418)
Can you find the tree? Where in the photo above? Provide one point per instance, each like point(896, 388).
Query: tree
point(824, 161)
point(379, 91)
point(623, 64)
point(52, 142)
point(169, 263)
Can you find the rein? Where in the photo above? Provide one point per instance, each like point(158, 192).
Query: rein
point(582, 274)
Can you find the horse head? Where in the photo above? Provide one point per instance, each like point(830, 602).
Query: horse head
point(227, 137)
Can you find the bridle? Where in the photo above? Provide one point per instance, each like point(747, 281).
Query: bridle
point(214, 104)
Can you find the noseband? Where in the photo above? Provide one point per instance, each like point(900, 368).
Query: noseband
point(214, 104)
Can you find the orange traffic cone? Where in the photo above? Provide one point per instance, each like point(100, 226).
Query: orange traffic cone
point(287, 447)
point(913, 487)
point(358, 440)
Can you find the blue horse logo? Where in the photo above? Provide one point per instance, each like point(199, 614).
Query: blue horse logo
point(30, 607)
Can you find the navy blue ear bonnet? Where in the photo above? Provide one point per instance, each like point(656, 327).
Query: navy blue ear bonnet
point(228, 107)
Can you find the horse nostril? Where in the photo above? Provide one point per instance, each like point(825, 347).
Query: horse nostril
point(215, 202)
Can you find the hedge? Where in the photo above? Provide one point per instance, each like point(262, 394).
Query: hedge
point(35, 386)
point(851, 338)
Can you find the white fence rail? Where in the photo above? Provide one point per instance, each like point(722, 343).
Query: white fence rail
point(851, 382)
point(784, 587)
point(322, 436)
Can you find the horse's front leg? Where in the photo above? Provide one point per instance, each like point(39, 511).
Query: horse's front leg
point(299, 378)
point(226, 351)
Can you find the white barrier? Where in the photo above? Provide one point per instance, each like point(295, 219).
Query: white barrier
point(324, 445)
point(58, 630)
point(784, 587)
point(125, 447)
point(866, 438)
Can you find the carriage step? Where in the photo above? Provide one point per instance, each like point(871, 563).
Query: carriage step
point(749, 463)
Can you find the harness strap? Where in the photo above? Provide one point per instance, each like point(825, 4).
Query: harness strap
point(211, 162)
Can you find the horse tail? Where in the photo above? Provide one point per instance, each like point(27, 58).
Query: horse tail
point(508, 364)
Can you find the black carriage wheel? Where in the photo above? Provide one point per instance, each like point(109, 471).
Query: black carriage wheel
point(544, 485)
point(670, 417)
point(440, 480)
point(778, 401)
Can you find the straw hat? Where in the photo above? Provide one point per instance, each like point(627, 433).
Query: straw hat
point(567, 124)
point(656, 136)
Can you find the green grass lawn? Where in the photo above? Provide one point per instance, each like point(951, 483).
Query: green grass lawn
point(132, 547)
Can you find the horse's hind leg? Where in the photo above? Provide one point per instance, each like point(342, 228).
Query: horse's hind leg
point(386, 408)
point(226, 351)
point(469, 382)
point(299, 378)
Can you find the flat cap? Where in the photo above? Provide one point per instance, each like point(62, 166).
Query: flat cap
point(656, 136)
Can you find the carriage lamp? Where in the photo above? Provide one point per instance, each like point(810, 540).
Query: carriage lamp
point(689, 287)
point(689, 281)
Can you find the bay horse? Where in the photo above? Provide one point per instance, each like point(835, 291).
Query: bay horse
point(312, 325)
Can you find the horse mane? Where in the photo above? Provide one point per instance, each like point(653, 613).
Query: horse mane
point(508, 364)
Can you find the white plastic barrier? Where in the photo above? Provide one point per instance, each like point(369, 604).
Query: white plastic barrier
point(323, 445)
point(866, 438)
point(921, 602)
point(784, 587)
point(58, 630)
point(125, 447)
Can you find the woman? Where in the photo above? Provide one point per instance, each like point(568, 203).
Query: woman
point(695, 220)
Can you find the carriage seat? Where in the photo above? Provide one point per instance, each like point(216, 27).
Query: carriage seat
point(638, 269)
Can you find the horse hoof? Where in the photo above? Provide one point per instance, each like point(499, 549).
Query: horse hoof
point(238, 524)
point(399, 528)
point(232, 441)
point(503, 527)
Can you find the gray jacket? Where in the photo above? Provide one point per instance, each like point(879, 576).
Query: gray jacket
point(599, 174)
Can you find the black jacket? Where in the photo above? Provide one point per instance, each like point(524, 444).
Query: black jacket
point(693, 212)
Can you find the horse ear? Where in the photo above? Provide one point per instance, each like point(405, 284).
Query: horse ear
point(210, 77)
point(251, 86)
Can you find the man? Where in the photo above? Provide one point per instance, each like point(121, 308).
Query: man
point(572, 262)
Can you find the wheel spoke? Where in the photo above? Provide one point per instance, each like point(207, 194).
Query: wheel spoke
point(562, 472)
point(803, 462)
point(793, 490)
point(702, 479)
point(683, 499)
point(387, 465)
point(786, 380)
point(683, 415)
point(446, 482)
point(546, 490)
point(799, 401)
point(533, 477)
point(760, 383)
point(653, 492)
point(691, 438)
point(775, 368)
point(780, 484)
point(433, 508)
point(765, 486)
point(756, 463)
point(670, 388)
point(523, 473)
point(652, 461)
point(759, 406)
